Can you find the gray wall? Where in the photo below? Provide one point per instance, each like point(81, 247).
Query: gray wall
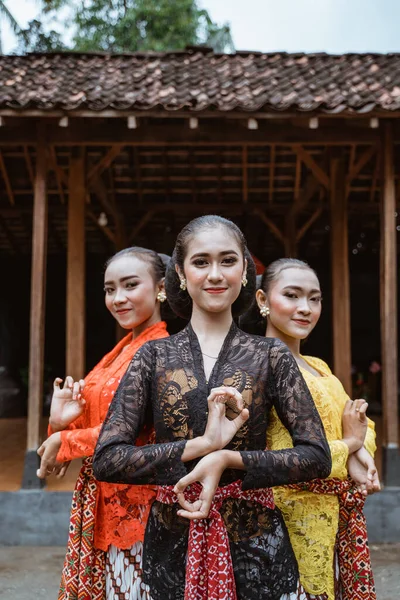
point(40, 518)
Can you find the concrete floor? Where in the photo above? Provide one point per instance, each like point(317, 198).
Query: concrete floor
point(32, 573)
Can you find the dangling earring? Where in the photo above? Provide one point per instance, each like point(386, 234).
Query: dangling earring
point(244, 281)
point(161, 296)
point(264, 311)
point(183, 284)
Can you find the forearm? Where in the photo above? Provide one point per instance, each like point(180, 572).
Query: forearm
point(78, 443)
point(119, 462)
point(197, 448)
point(268, 468)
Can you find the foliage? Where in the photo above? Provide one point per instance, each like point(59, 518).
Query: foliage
point(35, 39)
point(126, 26)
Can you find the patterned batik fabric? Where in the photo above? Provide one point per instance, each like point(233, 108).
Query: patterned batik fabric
point(124, 574)
point(355, 571)
point(83, 575)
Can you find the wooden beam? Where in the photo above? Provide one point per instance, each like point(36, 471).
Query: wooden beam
point(10, 236)
point(357, 167)
point(37, 314)
point(158, 134)
point(29, 166)
point(271, 174)
point(389, 310)
point(105, 162)
point(245, 187)
point(340, 274)
point(290, 238)
point(139, 226)
point(106, 230)
point(6, 179)
point(75, 340)
point(314, 217)
point(274, 229)
point(59, 173)
point(309, 161)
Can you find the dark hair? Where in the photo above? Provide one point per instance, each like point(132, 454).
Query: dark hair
point(252, 321)
point(158, 262)
point(274, 269)
point(179, 300)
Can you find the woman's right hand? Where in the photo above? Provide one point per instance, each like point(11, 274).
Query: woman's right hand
point(219, 429)
point(354, 424)
point(67, 403)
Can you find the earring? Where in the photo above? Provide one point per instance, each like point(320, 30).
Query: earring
point(161, 296)
point(264, 311)
point(183, 284)
point(244, 281)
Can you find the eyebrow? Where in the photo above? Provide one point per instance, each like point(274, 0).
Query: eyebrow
point(224, 253)
point(123, 279)
point(300, 289)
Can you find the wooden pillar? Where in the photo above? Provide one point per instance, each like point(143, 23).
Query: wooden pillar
point(75, 339)
point(37, 316)
point(340, 274)
point(388, 289)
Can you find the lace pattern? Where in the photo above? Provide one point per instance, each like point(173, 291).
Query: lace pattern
point(165, 384)
point(313, 519)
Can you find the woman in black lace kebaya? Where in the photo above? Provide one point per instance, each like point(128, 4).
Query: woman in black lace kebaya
point(213, 532)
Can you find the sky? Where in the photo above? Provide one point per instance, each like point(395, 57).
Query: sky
point(334, 26)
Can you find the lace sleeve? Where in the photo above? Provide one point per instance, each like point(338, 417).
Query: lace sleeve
point(310, 457)
point(116, 458)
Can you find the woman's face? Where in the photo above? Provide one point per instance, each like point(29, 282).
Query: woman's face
point(131, 294)
point(294, 301)
point(214, 268)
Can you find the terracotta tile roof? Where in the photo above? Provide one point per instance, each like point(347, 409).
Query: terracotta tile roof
point(199, 80)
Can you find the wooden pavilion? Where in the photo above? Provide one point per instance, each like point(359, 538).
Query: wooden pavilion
point(101, 151)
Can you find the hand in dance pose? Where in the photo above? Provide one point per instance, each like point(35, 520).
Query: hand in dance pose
point(48, 452)
point(67, 403)
point(355, 424)
point(219, 432)
point(362, 469)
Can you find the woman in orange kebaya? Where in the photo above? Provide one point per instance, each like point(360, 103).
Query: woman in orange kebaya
point(104, 553)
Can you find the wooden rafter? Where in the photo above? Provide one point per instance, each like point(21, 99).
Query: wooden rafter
point(138, 174)
point(29, 166)
point(297, 180)
point(270, 224)
point(245, 187)
point(59, 173)
point(309, 161)
point(6, 179)
point(271, 174)
point(105, 162)
point(139, 226)
point(9, 235)
point(106, 230)
point(314, 217)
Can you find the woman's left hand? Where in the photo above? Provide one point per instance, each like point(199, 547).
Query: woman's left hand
point(48, 452)
point(207, 472)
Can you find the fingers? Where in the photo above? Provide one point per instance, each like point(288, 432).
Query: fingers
point(241, 419)
point(61, 469)
point(68, 383)
point(41, 450)
point(56, 383)
point(225, 393)
point(199, 509)
point(44, 469)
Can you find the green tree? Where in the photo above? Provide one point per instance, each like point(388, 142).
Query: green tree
point(9, 17)
point(131, 26)
point(35, 38)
